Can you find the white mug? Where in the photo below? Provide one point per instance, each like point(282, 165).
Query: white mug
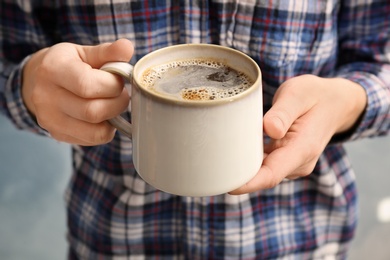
point(194, 148)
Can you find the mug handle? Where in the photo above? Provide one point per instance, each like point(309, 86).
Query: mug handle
point(125, 70)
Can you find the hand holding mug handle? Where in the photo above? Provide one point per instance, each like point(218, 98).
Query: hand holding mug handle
point(126, 70)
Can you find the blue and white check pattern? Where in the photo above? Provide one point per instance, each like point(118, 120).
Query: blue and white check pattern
point(113, 214)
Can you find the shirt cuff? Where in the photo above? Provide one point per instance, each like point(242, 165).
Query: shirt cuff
point(374, 120)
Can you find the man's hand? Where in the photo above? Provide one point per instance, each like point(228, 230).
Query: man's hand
point(68, 94)
point(307, 112)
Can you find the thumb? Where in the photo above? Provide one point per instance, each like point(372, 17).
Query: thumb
point(289, 105)
point(96, 56)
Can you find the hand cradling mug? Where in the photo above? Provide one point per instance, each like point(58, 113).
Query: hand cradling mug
point(196, 118)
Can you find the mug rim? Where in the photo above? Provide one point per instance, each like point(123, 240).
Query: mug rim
point(168, 99)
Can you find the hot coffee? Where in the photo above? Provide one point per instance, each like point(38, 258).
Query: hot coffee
point(196, 79)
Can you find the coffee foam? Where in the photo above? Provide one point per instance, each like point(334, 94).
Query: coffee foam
point(196, 79)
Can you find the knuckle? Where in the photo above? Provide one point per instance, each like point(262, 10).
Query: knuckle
point(45, 66)
point(43, 121)
point(36, 97)
point(93, 112)
point(307, 168)
point(272, 183)
point(103, 134)
point(84, 85)
point(305, 171)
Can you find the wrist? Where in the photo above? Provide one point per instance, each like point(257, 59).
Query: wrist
point(354, 100)
point(28, 80)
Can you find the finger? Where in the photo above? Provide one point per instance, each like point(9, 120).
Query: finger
point(70, 140)
point(271, 147)
point(289, 159)
point(86, 82)
point(92, 82)
point(271, 173)
point(93, 110)
point(86, 133)
point(288, 106)
point(96, 56)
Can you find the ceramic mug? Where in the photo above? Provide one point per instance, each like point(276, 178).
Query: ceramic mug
point(194, 148)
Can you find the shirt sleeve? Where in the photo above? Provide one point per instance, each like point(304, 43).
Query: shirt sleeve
point(364, 57)
point(25, 27)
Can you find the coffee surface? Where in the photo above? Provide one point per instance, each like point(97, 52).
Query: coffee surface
point(196, 80)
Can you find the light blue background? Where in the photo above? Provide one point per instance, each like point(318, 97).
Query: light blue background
point(34, 172)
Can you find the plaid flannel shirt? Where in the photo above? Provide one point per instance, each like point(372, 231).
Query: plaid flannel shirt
point(113, 214)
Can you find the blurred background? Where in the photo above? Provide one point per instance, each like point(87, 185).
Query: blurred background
point(34, 172)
